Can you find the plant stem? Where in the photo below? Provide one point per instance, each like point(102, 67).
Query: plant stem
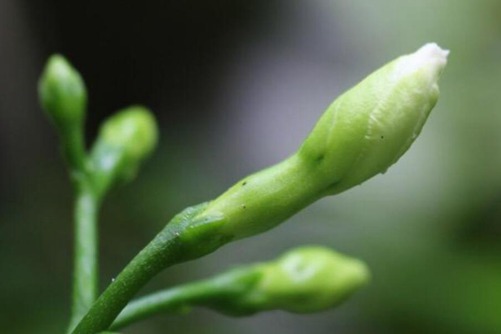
point(163, 251)
point(86, 268)
point(73, 149)
point(210, 292)
point(170, 300)
point(140, 270)
point(254, 205)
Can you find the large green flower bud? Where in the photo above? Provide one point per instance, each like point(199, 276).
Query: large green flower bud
point(360, 135)
point(63, 96)
point(124, 141)
point(368, 128)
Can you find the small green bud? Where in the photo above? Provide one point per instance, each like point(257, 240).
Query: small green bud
point(63, 96)
point(62, 93)
point(307, 279)
point(304, 280)
point(367, 129)
point(132, 130)
point(124, 141)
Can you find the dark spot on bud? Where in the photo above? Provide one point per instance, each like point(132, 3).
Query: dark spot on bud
point(244, 183)
point(382, 137)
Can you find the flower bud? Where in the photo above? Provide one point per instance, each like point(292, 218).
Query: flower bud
point(62, 93)
point(360, 135)
point(124, 141)
point(304, 280)
point(368, 128)
point(307, 279)
point(63, 96)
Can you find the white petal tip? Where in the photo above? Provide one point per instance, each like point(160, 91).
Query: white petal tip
point(431, 51)
point(429, 57)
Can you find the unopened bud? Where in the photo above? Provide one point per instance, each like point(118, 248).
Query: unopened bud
point(124, 141)
point(62, 93)
point(307, 279)
point(368, 128)
point(361, 134)
point(63, 96)
point(304, 280)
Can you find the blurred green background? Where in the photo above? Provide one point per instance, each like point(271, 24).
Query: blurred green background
point(236, 86)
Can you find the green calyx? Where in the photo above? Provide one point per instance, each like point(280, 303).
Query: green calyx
point(124, 141)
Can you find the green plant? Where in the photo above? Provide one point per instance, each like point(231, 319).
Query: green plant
point(361, 134)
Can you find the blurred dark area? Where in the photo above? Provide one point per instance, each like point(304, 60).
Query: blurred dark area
point(161, 53)
point(236, 86)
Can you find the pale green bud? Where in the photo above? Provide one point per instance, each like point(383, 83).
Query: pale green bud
point(307, 279)
point(62, 93)
point(368, 128)
point(132, 130)
point(63, 96)
point(304, 280)
point(124, 141)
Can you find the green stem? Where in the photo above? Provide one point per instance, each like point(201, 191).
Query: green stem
point(145, 265)
point(86, 268)
point(171, 300)
point(163, 251)
point(209, 292)
point(254, 205)
point(73, 147)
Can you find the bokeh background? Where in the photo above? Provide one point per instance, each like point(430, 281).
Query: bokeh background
point(236, 86)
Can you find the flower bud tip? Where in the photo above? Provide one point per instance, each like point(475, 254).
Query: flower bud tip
point(429, 57)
